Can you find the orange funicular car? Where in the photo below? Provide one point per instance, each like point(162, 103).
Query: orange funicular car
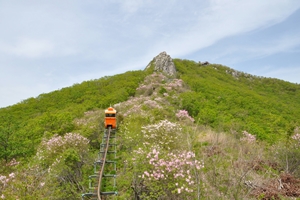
point(110, 118)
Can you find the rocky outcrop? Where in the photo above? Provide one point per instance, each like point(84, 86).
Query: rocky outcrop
point(204, 63)
point(163, 62)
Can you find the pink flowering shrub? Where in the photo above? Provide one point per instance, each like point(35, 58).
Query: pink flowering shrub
point(139, 105)
point(151, 94)
point(13, 162)
point(150, 83)
point(50, 150)
point(169, 173)
point(175, 84)
point(4, 183)
point(183, 114)
point(152, 104)
point(145, 90)
point(157, 81)
point(296, 137)
point(248, 137)
point(59, 161)
point(32, 182)
point(164, 134)
point(135, 109)
point(132, 106)
point(142, 87)
point(155, 78)
point(162, 168)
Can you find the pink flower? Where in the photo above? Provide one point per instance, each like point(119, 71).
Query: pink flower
point(146, 173)
point(248, 137)
point(183, 114)
point(296, 137)
point(154, 151)
point(11, 175)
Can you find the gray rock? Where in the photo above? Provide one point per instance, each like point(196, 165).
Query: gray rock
point(163, 62)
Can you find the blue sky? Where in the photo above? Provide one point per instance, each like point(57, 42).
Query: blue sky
point(48, 45)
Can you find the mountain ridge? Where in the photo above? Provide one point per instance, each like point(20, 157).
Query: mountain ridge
point(210, 113)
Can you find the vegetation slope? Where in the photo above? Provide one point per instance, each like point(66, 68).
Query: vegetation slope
point(209, 133)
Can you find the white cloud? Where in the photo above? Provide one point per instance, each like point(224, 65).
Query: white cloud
point(131, 6)
point(31, 48)
point(228, 18)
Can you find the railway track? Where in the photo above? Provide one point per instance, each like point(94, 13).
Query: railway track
point(96, 186)
point(103, 163)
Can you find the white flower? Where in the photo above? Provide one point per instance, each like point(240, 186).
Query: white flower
point(12, 175)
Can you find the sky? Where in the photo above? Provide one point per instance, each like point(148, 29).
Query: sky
point(51, 44)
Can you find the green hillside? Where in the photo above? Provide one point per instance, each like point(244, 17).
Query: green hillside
point(25, 124)
point(226, 99)
point(209, 133)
